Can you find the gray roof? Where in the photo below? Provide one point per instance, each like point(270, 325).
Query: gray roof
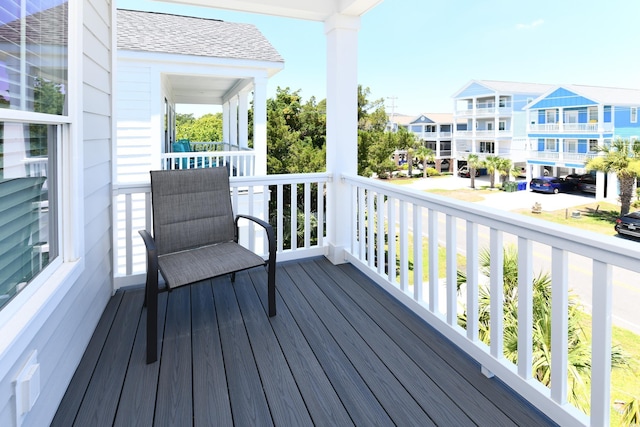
point(166, 33)
point(515, 87)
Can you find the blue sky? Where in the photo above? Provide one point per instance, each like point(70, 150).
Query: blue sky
point(422, 52)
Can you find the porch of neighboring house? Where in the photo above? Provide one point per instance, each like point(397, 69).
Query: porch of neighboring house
point(341, 351)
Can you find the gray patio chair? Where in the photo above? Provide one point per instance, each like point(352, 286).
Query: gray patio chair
point(195, 237)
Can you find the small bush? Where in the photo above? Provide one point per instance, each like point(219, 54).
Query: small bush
point(432, 172)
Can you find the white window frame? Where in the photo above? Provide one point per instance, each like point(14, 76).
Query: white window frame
point(592, 114)
point(23, 316)
point(634, 115)
point(550, 117)
point(547, 147)
point(571, 143)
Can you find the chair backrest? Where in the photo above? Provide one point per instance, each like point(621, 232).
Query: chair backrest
point(191, 208)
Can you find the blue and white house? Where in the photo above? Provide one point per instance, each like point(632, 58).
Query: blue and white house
point(495, 117)
point(567, 123)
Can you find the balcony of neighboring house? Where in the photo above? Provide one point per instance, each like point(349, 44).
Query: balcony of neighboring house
point(592, 127)
point(190, 155)
point(379, 338)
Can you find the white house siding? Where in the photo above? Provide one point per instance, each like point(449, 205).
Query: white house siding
point(136, 131)
point(64, 332)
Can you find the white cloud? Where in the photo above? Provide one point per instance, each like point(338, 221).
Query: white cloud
point(530, 26)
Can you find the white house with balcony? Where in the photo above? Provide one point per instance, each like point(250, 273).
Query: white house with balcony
point(568, 123)
point(433, 131)
point(189, 60)
point(496, 121)
point(357, 320)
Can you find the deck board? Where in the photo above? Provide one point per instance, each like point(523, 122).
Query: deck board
point(340, 351)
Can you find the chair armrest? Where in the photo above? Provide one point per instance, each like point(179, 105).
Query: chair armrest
point(152, 252)
point(267, 227)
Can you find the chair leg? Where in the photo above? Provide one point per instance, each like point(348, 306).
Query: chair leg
point(151, 298)
point(271, 289)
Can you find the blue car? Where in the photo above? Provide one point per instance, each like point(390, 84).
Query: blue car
point(551, 184)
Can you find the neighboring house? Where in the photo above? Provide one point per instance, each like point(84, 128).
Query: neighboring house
point(496, 121)
point(434, 131)
point(187, 60)
point(567, 123)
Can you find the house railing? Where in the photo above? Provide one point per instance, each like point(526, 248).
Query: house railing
point(413, 244)
point(294, 204)
point(239, 163)
point(392, 227)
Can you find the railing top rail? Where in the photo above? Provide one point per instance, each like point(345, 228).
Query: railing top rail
point(608, 249)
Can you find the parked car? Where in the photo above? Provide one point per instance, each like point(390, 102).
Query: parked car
point(551, 184)
point(629, 224)
point(587, 183)
point(466, 173)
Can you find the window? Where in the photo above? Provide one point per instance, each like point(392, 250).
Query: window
point(550, 145)
point(502, 125)
point(486, 146)
point(33, 79)
point(571, 145)
point(551, 116)
point(593, 145)
point(571, 116)
point(593, 115)
point(634, 115)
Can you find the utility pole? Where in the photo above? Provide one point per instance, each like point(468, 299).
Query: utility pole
point(393, 108)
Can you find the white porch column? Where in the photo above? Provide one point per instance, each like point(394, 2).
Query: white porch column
point(233, 121)
point(225, 123)
point(342, 127)
point(243, 120)
point(260, 124)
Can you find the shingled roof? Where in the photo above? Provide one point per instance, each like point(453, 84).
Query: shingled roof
point(47, 27)
point(167, 33)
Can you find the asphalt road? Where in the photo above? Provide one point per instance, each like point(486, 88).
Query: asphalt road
point(626, 291)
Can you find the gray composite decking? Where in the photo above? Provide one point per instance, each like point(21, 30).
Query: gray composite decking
point(340, 352)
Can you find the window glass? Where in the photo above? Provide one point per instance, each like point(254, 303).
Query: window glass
point(634, 115)
point(28, 225)
point(33, 79)
point(33, 55)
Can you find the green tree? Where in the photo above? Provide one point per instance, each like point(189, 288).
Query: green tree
point(424, 155)
point(296, 133)
point(491, 163)
point(503, 167)
point(579, 351)
point(622, 158)
point(407, 141)
point(474, 163)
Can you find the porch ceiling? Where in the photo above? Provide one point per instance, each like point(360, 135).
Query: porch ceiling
point(312, 10)
point(210, 90)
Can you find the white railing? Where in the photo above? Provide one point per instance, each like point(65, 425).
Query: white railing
point(294, 205)
point(547, 127)
point(579, 157)
point(383, 213)
point(581, 127)
point(239, 163)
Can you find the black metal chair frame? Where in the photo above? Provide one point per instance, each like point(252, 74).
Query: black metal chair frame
point(155, 266)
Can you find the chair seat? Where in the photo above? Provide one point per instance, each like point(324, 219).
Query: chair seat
point(194, 265)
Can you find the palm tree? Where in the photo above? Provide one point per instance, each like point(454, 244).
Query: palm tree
point(407, 141)
point(622, 158)
point(579, 352)
point(424, 155)
point(474, 163)
point(504, 167)
point(492, 163)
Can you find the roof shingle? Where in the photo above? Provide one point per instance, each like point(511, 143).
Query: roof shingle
point(167, 33)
